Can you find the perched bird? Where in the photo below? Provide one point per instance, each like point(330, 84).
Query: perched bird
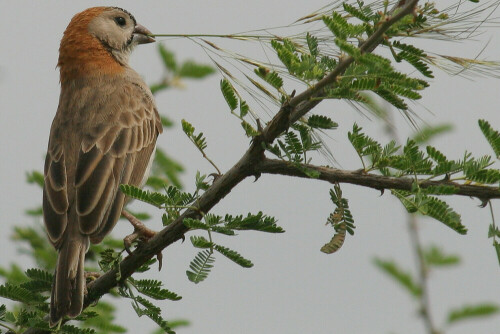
point(103, 135)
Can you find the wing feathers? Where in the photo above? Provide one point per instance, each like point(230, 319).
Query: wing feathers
point(86, 164)
point(90, 221)
point(89, 193)
point(112, 147)
point(55, 222)
point(121, 145)
point(57, 175)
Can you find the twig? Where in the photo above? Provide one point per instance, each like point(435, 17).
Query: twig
point(425, 310)
point(379, 182)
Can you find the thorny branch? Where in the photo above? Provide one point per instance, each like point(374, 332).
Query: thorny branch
point(379, 182)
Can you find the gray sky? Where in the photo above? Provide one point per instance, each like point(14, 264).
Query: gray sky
point(293, 287)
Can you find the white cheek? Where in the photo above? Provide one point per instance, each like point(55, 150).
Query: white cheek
point(148, 168)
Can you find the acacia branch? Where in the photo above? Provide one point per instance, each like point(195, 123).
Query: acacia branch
point(378, 182)
point(289, 112)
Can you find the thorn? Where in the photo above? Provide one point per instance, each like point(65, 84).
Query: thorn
point(257, 176)
point(382, 190)
point(484, 202)
point(293, 93)
point(259, 126)
point(159, 257)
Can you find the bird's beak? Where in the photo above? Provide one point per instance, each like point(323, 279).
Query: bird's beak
point(142, 35)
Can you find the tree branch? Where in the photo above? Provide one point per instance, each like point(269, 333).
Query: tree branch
point(289, 112)
point(379, 182)
point(366, 46)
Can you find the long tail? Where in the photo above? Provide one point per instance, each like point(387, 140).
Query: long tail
point(69, 280)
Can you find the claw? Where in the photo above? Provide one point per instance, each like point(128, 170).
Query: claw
point(92, 275)
point(141, 232)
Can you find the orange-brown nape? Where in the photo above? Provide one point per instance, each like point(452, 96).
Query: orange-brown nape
point(81, 53)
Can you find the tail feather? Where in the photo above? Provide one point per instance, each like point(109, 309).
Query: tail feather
point(69, 280)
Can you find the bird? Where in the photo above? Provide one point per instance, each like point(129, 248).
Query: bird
point(103, 134)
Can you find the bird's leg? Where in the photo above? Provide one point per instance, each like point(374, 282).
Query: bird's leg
point(140, 232)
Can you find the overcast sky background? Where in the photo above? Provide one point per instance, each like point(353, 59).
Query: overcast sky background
point(293, 287)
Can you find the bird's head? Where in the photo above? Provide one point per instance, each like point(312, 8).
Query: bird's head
point(99, 40)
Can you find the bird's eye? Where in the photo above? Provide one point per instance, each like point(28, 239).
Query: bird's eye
point(120, 21)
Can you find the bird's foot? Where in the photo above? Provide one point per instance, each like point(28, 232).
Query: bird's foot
point(92, 275)
point(141, 233)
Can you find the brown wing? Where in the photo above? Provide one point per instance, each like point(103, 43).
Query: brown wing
point(115, 148)
point(55, 194)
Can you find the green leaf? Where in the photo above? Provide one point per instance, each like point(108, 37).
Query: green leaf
point(198, 140)
point(37, 286)
point(468, 312)
point(434, 256)
point(244, 108)
point(312, 44)
point(497, 249)
point(490, 176)
point(166, 122)
point(416, 62)
point(321, 122)
point(271, 77)
point(258, 222)
point(356, 12)
point(40, 275)
point(391, 98)
point(167, 57)
point(436, 155)
point(491, 135)
point(200, 242)
point(286, 53)
point(153, 198)
point(441, 211)
point(157, 318)
point(190, 69)
point(35, 177)
point(250, 131)
point(348, 48)
point(429, 132)
point(176, 323)
point(158, 293)
point(187, 128)
point(200, 267)
point(337, 25)
point(145, 267)
point(20, 294)
point(155, 88)
point(109, 259)
point(70, 329)
point(229, 94)
point(165, 167)
point(234, 256)
point(3, 310)
point(195, 224)
point(405, 279)
point(35, 212)
point(493, 231)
